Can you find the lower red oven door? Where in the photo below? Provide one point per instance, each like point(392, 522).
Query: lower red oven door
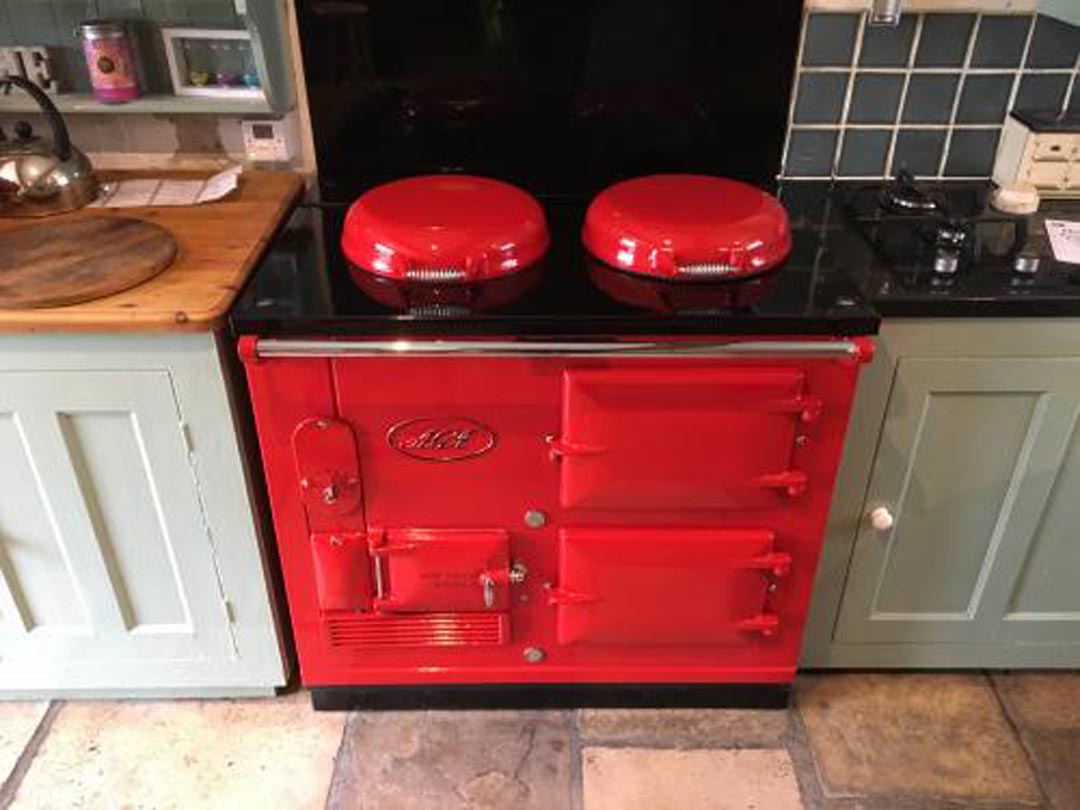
point(664, 586)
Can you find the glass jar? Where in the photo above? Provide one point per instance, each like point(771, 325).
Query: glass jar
point(110, 60)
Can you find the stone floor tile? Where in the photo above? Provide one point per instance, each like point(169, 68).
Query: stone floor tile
point(1044, 700)
point(1057, 759)
point(685, 728)
point(446, 760)
point(262, 754)
point(663, 779)
point(913, 735)
point(18, 721)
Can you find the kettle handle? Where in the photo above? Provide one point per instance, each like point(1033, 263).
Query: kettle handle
point(61, 139)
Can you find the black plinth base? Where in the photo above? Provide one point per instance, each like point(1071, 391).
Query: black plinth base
point(551, 696)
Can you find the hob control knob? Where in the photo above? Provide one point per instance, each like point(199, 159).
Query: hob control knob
point(1026, 263)
point(946, 262)
point(881, 519)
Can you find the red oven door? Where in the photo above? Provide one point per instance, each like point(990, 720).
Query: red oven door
point(665, 585)
point(428, 570)
point(681, 437)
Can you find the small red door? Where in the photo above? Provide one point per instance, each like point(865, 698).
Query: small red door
point(425, 570)
point(665, 585)
point(680, 438)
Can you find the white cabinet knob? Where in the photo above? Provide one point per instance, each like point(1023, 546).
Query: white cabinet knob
point(881, 519)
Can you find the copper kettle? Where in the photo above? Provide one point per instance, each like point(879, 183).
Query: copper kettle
point(37, 177)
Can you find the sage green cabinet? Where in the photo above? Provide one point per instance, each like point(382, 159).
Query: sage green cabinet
point(964, 435)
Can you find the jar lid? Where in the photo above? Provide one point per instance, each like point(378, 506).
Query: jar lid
point(687, 227)
point(444, 229)
point(92, 28)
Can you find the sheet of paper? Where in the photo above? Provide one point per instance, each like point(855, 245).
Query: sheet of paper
point(1064, 239)
point(132, 193)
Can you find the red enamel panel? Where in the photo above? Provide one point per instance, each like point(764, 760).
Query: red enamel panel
point(659, 585)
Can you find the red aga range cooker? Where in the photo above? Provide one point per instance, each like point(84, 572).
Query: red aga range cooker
point(605, 484)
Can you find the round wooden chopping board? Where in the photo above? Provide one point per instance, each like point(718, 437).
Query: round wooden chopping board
point(53, 264)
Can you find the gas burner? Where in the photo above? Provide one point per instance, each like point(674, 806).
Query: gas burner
point(936, 232)
point(904, 196)
point(950, 235)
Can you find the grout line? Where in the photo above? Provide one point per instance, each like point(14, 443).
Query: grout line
point(334, 787)
point(943, 71)
point(1020, 72)
point(819, 178)
point(10, 789)
point(1071, 89)
point(577, 765)
point(807, 769)
point(939, 125)
point(794, 92)
point(1018, 733)
point(958, 94)
point(890, 155)
point(856, 53)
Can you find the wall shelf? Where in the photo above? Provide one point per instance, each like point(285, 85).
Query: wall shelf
point(17, 102)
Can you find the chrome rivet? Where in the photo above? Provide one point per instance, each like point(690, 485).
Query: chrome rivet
point(535, 519)
point(322, 424)
point(336, 541)
point(534, 655)
point(801, 440)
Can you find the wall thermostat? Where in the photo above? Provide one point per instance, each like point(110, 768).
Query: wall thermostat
point(266, 141)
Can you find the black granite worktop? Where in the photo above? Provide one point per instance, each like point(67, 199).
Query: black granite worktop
point(835, 282)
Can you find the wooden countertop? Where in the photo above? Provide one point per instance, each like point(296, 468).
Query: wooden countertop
point(218, 245)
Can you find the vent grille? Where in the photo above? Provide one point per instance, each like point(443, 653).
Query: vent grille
point(361, 631)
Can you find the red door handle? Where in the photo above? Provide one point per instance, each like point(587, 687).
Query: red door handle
point(560, 448)
point(767, 624)
point(562, 596)
point(808, 408)
point(792, 481)
point(778, 563)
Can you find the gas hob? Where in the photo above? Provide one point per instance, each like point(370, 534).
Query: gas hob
point(942, 250)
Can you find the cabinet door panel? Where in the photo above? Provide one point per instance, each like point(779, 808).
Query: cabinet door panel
point(1044, 604)
point(963, 464)
point(105, 552)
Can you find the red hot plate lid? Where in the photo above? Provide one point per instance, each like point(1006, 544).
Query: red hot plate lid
point(444, 228)
point(687, 227)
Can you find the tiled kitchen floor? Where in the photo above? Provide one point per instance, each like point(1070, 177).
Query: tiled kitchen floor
point(849, 741)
